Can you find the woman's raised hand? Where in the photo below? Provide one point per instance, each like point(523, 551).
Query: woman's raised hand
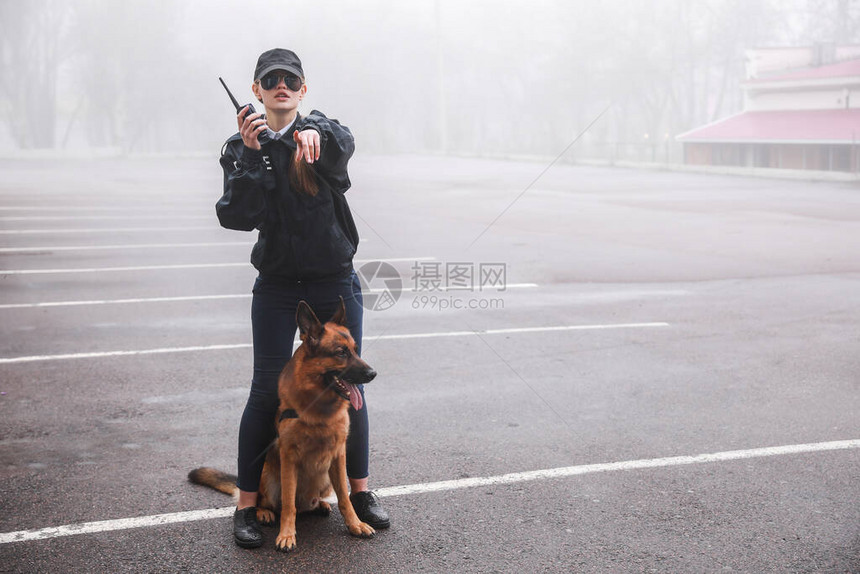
point(307, 145)
point(250, 127)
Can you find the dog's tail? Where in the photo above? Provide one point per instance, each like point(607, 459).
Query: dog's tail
point(214, 478)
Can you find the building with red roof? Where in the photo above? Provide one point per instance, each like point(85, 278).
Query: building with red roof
point(801, 111)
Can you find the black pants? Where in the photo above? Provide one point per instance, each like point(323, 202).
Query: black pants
point(273, 321)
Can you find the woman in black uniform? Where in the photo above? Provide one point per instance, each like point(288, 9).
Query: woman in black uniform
point(291, 189)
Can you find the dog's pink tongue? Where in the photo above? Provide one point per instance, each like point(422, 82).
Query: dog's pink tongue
point(355, 397)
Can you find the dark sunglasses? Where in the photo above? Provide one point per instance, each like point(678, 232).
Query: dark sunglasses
point(271, 80)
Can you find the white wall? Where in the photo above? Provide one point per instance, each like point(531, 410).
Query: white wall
point(765, 61)
point(821, 99)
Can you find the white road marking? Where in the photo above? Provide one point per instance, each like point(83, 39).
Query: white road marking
point(165, 350)
point(168, 267)
point(521, 330)
point(122, 301)
point(119, 524)
point(101, 217)
point(127, 212)
point(189, 298)
point(99, 355)
point(423, 488)
point(108, 229)
point(126, 246)
point(115, 269)
point(551, 473)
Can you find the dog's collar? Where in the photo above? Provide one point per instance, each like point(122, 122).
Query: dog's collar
point(288, 414)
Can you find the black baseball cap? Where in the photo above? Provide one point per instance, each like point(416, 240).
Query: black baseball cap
point(278, 59)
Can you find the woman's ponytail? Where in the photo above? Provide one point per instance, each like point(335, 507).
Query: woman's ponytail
point(302, 177)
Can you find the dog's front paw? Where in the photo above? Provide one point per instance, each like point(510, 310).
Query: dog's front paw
point(265, 516)
point(362, 530)
point(285, 542)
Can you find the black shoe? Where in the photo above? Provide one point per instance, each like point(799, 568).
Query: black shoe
point(246, 529)
point(369, 510)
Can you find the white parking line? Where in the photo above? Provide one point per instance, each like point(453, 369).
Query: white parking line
point(101, 217)
point(99, 355)
point(129, 212)
point(9, 250)
point(102, 354)
point(122, 301)
point(195, 298)
point(109, 229)
point(116, 269)
point(168, 267)
point(423, 488)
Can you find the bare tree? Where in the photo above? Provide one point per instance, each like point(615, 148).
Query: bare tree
point(30, 37)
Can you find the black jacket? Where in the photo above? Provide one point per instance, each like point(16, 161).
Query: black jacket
point(301, 238)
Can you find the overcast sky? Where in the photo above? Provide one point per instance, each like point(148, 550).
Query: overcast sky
point(477, 77)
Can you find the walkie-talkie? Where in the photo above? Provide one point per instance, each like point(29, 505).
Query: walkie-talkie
point(263, 136)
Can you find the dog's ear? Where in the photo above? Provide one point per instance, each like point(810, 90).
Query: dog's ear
point(340, 314)
point(310, 328)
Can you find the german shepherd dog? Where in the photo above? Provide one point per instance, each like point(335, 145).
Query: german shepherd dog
point(308, 458)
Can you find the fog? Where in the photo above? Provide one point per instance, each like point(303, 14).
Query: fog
point(485, 78)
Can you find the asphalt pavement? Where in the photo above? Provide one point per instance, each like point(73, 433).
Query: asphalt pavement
point(553, 358)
